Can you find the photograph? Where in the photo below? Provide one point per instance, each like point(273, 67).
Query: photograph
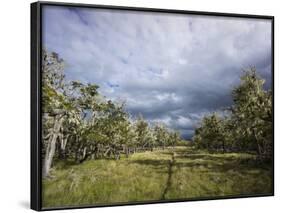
point(147, 106)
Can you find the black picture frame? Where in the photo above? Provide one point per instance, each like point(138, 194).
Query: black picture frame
point(36, 97)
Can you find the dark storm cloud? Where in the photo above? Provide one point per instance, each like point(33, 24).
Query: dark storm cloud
point(169, 68)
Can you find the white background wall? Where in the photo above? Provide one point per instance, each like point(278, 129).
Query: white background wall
point(15, 106)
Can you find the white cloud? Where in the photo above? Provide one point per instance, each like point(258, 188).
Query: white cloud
point(184, 121)
point(165, 65)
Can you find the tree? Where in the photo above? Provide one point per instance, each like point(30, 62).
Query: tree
point(86, 104)
point(110, 125)
point(53, 105)
point(211, 134)
point(150, 138)
point(161, 135)
point(68, 111)
point(174, 138)
point(142, 131)
point(252, 113)
point(128, 136)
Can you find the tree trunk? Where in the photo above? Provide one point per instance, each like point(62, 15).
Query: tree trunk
point(51, 147)
point(127, 152)
point(117, 155)
point(223, 146)
point(259, 149)
point(84, 155)
point(62, 146)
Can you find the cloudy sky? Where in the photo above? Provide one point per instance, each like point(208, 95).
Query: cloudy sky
point(170, 68)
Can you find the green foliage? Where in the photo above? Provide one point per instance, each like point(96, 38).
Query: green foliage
point(252, 113)
point(211, 134)
point(248, 126)
point(141, 130)
point(52, 86)
point(161, 134)
point(173, 138)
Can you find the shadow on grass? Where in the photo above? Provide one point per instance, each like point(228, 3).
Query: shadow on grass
point(159, 166)
point(222, 164)
point(242, 173)
point(64, 164)
point(151, 162)
point(185, 151)
point(195, 159)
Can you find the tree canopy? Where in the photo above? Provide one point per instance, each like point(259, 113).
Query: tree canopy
point(248, 126)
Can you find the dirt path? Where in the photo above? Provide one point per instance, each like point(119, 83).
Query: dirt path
point(169, 179)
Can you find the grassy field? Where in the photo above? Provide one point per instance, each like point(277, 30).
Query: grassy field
point(177, 173)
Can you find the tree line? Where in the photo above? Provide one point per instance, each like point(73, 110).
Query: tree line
point(246, 126)
point(80, 124)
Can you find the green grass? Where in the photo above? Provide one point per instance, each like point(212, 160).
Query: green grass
point(181, 173)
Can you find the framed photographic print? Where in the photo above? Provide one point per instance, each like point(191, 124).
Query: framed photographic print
point(140, 105)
